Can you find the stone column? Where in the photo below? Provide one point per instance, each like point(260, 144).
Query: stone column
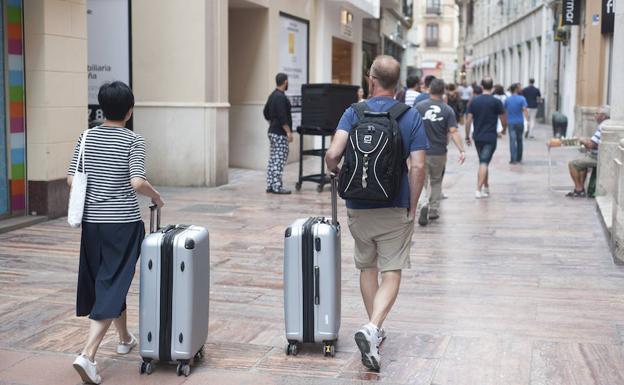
point(615, 218)
point(613, 129)
point(55, 36)
point(611, 155)
point(180, 80)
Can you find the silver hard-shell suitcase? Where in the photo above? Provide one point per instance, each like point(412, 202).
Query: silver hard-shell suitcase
point(312, 281)
point(174, 294)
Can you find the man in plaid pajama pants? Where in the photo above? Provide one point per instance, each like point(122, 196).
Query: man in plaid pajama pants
point(277, 112)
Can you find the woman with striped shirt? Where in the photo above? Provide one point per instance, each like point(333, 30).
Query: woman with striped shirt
point(112, 230)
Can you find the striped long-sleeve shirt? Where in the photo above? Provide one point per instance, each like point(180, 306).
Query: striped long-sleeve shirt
point(113, 156)
point(596, 138)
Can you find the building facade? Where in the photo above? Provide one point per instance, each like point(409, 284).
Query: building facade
point(570, 60)
point(201, 74)
point(511, 41)
point(435, 37)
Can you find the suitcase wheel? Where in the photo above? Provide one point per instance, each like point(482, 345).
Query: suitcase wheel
point(298, 186)
point(319, 188)
point(329, 350)
point(200, 354)
point(147, 367)
point(183, 369)
point(292, 349)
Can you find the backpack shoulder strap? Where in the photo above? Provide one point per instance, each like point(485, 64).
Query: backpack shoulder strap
point(397, 110)
point(360, 108)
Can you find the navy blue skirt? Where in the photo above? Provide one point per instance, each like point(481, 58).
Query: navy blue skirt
point(108, 256)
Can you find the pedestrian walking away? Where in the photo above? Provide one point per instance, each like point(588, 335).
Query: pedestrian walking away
point(532, 95)
point(382, 230)
point(424, 95)
point(499, 93)
point(277, 112)
point(112, 230)
point(485, 110)
point(465, 94)
point(440, 123)
point(517, 115)
point(412, 92)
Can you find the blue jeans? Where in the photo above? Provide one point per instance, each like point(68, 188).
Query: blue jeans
point(485, 151)
point(515, 141)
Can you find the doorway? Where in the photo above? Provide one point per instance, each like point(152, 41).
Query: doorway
point(342, 54)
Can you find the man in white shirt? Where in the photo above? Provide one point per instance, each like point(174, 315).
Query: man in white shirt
point(465, 94)
point(413, 85)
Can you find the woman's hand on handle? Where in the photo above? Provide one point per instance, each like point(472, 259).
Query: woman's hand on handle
point(158, 201)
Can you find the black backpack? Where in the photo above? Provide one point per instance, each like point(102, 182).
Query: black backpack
point(374, 159)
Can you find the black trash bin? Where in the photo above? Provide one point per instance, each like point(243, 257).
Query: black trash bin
point(559, 124)
point(322, 105)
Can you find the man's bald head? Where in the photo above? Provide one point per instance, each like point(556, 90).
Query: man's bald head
point(387, 71)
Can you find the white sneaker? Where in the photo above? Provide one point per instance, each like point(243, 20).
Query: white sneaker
point(367, 340)
point(382, 335)
point(485, 191)
point(87, 370)
point(478, 195)
point(126, 347)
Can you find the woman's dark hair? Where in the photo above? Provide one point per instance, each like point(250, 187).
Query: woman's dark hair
point(499, 90)
point(477, 90)
point(115, 99)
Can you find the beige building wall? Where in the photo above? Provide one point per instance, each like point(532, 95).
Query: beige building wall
point(591, 72)
point(448, 32)
point(180, 72)
point(253, 64)
point(55, 38)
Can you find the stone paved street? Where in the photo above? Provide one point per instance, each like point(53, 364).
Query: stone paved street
point(517, 289)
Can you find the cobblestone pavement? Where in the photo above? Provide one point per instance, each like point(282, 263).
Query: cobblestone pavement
point(513, 290)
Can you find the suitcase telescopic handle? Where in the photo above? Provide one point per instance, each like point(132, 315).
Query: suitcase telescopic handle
point(334, 197)
point(154, 211)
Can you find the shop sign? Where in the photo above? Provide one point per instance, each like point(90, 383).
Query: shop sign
point(108, 29)
point(571, 12)
point(293, 59)
point(346, 23)
point(608, 16)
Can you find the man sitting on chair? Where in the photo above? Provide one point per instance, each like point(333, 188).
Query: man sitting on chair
point(579, 167)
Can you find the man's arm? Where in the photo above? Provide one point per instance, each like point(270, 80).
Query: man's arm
point(282, 117)
point(416, 177)
point(468, 124)
point(458, 143)
point(589, 144)
point(503, 119)
point(336, 149)
point(526, 113)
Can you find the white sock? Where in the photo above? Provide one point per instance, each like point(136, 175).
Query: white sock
point(370, 324)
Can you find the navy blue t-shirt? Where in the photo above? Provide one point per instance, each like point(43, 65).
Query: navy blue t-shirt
point(414, 139)
point(485, 110)
point(531, 93)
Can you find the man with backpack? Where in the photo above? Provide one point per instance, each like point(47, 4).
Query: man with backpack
point(378, 139)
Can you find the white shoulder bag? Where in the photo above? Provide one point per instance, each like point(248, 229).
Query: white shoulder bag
point(78, 192)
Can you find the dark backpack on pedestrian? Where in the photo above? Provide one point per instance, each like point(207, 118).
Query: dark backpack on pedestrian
point(374, 159)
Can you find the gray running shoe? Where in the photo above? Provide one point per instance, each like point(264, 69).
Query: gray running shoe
point(367, 340)
point(423, 218)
